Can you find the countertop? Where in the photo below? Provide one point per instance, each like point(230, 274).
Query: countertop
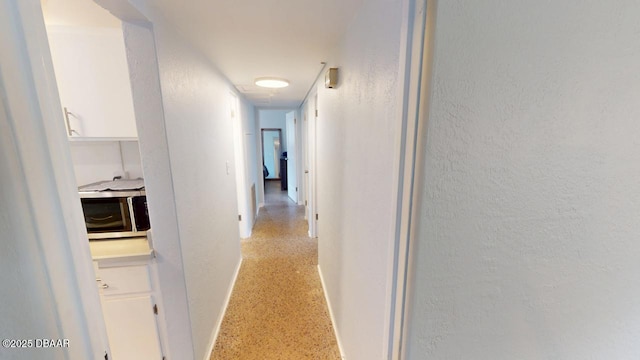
point(130, 249)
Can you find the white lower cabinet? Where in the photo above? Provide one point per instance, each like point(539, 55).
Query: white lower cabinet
point(130, 312)
point(131, 327)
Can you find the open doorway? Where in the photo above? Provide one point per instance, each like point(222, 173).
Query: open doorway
point(245, 189)
point(278, 149)
point(90, 61)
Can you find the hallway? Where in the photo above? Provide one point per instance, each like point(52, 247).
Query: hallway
point(472, 170)
point(277, 309)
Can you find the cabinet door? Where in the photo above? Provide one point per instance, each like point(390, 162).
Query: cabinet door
point(125, 280)
point(132, 329)
point(93, 81)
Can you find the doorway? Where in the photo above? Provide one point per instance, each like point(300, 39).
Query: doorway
point(89, 79)
point(309, 157)
point(291, 157)
point(245, 197)
point(279, 163)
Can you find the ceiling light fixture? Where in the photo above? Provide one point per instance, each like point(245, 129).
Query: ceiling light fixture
point(272, 82)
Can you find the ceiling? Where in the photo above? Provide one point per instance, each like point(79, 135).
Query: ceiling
point(247, 39)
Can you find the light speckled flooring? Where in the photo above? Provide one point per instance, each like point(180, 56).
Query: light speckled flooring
point(277, 309)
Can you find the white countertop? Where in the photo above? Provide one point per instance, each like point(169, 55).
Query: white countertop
point(121, 249)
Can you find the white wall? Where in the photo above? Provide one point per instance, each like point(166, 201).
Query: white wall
point(100, 160)
point(273, 119)
point(155, 154)
point(28, 307)
point(200, 138)
point(356, 150)
point(48, 284)
point(529, 219)
point(199, 135)
point(78, 13)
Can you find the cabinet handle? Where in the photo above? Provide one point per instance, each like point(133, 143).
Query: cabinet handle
point(104, 286)
point(70, 131)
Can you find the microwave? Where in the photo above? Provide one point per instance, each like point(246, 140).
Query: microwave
point(115, 214)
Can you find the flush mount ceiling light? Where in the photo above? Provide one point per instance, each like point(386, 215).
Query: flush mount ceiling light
point(272, 82)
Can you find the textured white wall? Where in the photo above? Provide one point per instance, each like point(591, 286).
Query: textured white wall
point(154, 150)
point(529, 221)
point(356, 142)
point(200, 137)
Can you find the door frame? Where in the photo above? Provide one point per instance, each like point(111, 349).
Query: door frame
point(310, 119)
point(304, 161)
point(292, 155)
point(245, 222)
point(416, 67)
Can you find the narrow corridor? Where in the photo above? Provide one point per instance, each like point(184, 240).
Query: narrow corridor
point(277, 309)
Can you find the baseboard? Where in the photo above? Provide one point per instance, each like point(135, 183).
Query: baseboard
point(216, 332)
point(333, 320)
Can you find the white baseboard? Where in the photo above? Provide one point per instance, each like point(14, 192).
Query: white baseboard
point(216, 332)
point(333, 320)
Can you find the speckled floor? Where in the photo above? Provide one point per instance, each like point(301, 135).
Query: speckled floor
point(277, 309)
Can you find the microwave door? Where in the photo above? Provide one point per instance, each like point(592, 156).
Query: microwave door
point(106, 215)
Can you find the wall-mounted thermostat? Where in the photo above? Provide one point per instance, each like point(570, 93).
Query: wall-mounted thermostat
point(331, 78)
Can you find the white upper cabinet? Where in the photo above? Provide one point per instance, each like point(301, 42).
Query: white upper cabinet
point(93, 81)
